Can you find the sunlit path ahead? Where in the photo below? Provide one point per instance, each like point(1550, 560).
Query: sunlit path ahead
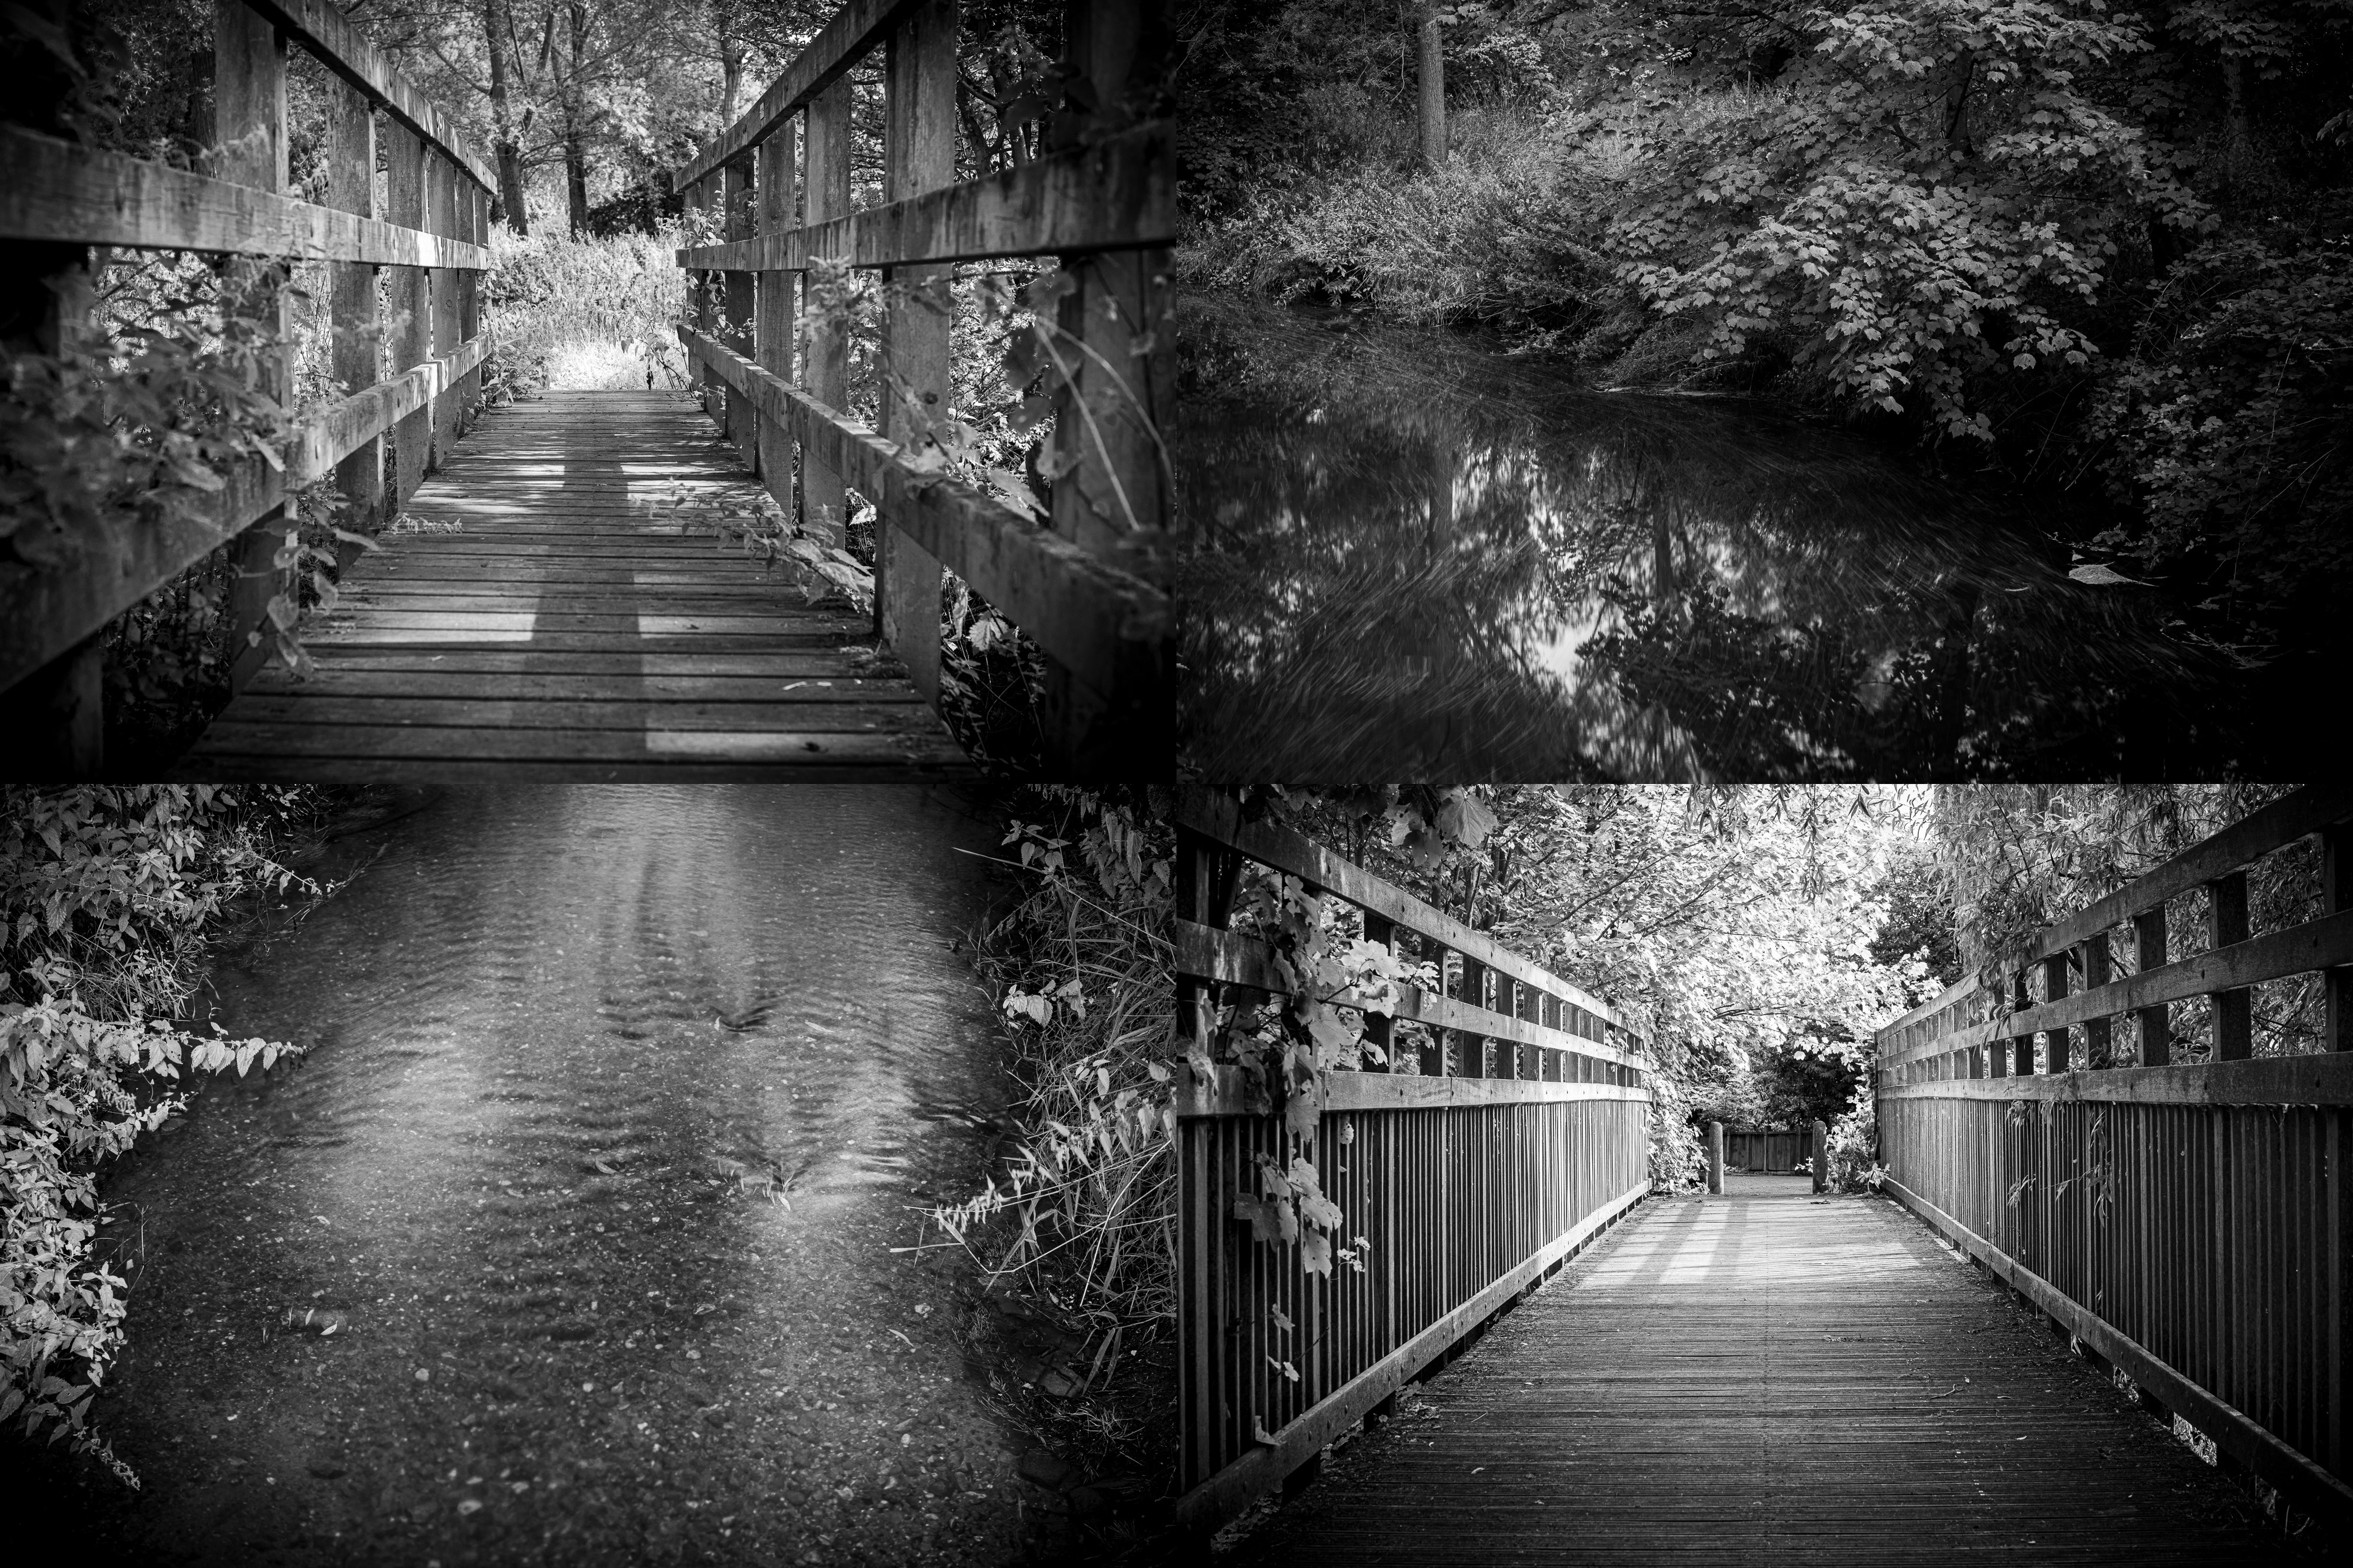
point(562, 620)
point(1767, 1377)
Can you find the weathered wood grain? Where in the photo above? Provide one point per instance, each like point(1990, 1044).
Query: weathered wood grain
point(1118, 194)
point(618, 647)
point(1766, 1378)
point(56, 190)
point(1100, 622)
point(328, 35)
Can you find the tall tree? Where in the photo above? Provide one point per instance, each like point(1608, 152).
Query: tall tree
point(498, 33)
point(1433, 88)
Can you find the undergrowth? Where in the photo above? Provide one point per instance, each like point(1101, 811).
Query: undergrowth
point(107, 897)
point(1077, 1227)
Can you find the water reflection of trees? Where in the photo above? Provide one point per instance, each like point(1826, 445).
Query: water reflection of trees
point(1418, 560)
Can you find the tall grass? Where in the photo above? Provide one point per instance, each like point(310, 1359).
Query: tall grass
point(583, 314)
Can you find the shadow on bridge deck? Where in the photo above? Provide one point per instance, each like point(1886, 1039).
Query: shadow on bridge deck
point(564, 630)
point(1767, 1377)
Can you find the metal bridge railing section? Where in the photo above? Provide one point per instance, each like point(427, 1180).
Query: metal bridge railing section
point(1089, 591)
point(1498, 1145)
point(58, 198)
point(2189, 1221)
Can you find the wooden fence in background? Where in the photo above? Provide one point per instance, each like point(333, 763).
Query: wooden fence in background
point(2190, 1222)
point(1778, 1149)
point(1089, 591)
point(1523, 1135)
point(58, 199)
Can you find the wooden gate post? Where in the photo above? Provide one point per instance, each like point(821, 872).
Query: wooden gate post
point(412, 307)
point(743, 423)
point(773, 188)
point(1716, 1158)
point(350, 185)
point(825, 347)
point(920, 137)
point(249, 119)
point(1821, 1155)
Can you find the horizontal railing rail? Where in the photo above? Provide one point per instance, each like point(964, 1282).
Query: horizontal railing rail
point(58, 198)
point(2190, 1222)
point(1460, 1185)
point(1088, 589)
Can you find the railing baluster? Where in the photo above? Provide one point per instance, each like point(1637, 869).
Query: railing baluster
point(774, 186)
point(2226, 922)
point(825, 344)
point(2335, 898)
point(742, 423)
point(919, 122)
point(350, 185)
point(442, 217)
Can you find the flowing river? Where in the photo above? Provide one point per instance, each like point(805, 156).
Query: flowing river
point(617, 1102)
point(1421, 561)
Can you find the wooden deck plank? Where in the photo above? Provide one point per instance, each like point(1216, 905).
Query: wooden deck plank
point(566, 627)
point(1767, 1378)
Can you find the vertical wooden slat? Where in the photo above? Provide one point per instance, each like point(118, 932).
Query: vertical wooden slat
point(825, 344)
point(2226, 922)
point(441, 216)
point(2099, 1047)
point(920, 143)
point(249, 119)
point(1117, 391)
point(777, 198)
point(2054, 986)
point(350, 185)
point(2156, 1027)
point(474, 226)
point(411, 302)
point(2335, 898)
point(735, 306)
point(701, 295)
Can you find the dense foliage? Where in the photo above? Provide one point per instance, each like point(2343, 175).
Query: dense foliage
point(106, 899)
point(2068, 246)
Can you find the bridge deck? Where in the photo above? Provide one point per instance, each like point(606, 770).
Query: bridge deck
point(563, 630)
point(1766, 1377)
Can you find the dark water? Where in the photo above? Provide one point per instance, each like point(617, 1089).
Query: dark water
point(613, 1278)
point(1421, 561)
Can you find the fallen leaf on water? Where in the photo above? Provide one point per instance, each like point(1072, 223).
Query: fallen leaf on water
point(2102, 577)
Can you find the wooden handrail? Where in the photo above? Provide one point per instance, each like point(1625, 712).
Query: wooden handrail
point(330, 36)
point(2159, 1211)
point(52, 189)
point(854, 32)
point(1116, 195)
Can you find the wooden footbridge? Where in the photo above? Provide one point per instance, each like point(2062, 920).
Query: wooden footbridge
point(2116, 1190)
point(531, 605)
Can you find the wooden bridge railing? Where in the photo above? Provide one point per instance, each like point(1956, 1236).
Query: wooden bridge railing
point(1523, 1134)
point(2189, 1221)
point(1089, 590)
point(58, 198)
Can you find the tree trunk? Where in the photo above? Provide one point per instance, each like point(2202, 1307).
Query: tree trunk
point(731, 72)
point(1433, 90)
point(576, 113)
point(513, 209)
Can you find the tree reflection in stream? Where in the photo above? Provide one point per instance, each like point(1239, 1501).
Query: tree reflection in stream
point(1417, 561)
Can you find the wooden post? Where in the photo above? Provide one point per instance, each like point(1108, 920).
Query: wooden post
point(1433, 1046)
point(1716, 1158)
point(735, 304)
point(1821, 1155)
point(249, 119)
point(411, 300)
point(825, 347)
point(53, 719)
point(2155, 1026)
point(1110, 486)
point(2226, 922)
point(1379, 1027)
point(350, 185)
point(773, 187)
point(2335, 898)
point(441, 216)
point(2054, 986)
point(474, 225)
point(1472, 1047)
point(2022, 1045)
point(702, 298)
point(2099, 1047)
point(920, 139)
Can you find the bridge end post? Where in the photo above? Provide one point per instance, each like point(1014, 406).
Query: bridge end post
point(1715, 1159)
point(1821, 1155)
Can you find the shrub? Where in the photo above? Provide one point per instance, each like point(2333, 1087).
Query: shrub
point(582, 313)
point(106, 897)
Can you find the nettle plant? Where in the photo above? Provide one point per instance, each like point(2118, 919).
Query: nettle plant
point(1929, 192)
point(1327, 980)
point(106, 894)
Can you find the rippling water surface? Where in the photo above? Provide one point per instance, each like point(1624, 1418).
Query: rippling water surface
point(1421, 561)
point(617, 1100)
